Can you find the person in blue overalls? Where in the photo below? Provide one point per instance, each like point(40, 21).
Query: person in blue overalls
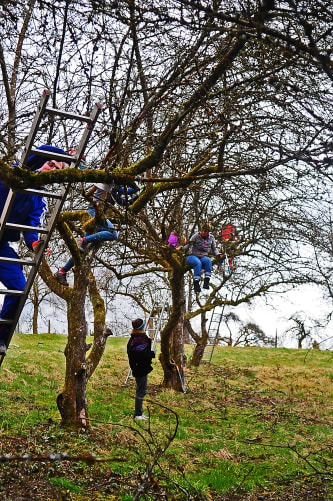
point(27, 210)
point(110, 194)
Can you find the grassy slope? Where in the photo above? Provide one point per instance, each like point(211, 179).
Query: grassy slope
point(256, 421)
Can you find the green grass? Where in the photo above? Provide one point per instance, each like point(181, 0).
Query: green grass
point(256, 421)
point(64, 484)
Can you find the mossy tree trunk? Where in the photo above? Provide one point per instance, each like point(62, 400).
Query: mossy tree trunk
point(72, 401)
point(200, 339)
point(172, 338)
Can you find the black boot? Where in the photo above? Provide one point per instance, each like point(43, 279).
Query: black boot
point(197, 287)
point(61, 277)
point(206, 283)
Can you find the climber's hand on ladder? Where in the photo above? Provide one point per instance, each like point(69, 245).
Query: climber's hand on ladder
point(37, 245)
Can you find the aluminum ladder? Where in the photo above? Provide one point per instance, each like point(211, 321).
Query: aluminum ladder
point(45, 232)
point(157, 323)
point(213, 335)
point(153, 327)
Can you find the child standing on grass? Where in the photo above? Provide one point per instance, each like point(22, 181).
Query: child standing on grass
point(140, 356)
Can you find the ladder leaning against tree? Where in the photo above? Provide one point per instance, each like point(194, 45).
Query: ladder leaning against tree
point(213, 334)
point(60, 197)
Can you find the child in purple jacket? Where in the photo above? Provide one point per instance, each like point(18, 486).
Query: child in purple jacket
point(173, 239)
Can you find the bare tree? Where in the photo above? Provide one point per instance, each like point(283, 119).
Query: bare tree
point(300, 329)
point(231, 101)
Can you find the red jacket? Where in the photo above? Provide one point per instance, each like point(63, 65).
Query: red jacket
point(228, 233)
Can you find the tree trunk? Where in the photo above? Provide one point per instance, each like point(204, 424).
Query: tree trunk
point(201, 345)
point(72, 402)
point(187, 336)
point(35, 305)
point(301, 338)
point(35, 320)
point(198, 354)
point(172, 355)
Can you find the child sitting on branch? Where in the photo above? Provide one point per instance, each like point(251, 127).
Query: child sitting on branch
point(200, 244)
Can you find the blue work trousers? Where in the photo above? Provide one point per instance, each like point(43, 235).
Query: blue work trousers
point(12, 277)
point(104, 234)
point(199, 263)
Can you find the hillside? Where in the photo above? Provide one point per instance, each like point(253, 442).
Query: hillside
point(255, 425)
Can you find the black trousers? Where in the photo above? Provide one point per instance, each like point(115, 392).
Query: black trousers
point(141, 390)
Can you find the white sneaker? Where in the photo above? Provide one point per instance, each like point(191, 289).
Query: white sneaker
point(3, 349)
point(143, 417)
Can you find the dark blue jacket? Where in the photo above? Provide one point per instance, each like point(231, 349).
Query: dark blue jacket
point(139, 353)
point(27, 209)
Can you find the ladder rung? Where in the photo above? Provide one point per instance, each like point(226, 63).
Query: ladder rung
point(13, 260)
point(11, 292)
point(22, 227)
point(43, 193)
point(5, 321)
point(68, 114)
point(53, 156)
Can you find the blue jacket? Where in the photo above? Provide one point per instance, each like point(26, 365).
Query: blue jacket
point(28, 210)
